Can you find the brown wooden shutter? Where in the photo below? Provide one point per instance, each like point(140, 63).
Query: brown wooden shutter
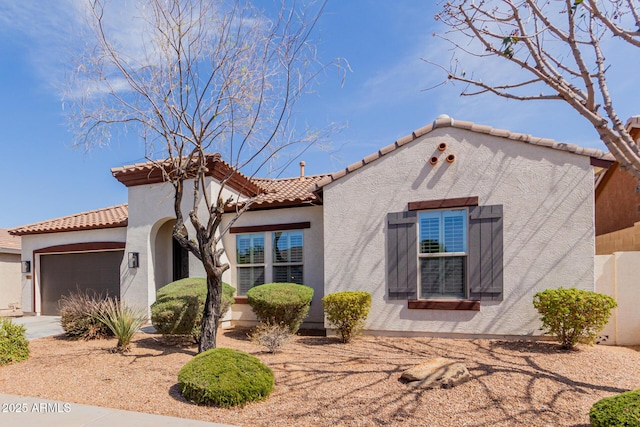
point(402, 255)
point(485, 253)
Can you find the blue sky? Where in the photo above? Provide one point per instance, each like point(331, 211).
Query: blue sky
point(382, 99)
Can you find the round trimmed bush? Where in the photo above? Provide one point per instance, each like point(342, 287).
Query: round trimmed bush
point(225, 377)
point(281, 304)
point(573, 315)
point(179, 306)
point(347, 311)
point(14, 346)
point(619, 410)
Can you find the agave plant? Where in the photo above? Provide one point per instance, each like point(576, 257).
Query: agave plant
point(123, 320)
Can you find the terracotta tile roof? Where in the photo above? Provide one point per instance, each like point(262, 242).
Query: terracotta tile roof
point(446, 121)
point(115, 216)
point(9, 243)
point(150, 173)
point(284, 192)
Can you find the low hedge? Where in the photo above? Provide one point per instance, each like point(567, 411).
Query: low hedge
point(225, 377)
point(347, 311)
point(179, 306)
point(14, 346)
point(281, 304)
point(617, 411)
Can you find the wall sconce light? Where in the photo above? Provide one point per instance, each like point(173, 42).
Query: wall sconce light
point(134, 259)
point(26, 266)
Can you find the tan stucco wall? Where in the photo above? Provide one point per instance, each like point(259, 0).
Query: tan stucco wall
point(150, 207)
point(313, 267)
point(617, 202)
point(30, 243)
point(627, 239)
point(618, 275)
point(547, 196)
point(10, 284)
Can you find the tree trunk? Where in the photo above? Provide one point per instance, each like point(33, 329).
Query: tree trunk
point(210, 317)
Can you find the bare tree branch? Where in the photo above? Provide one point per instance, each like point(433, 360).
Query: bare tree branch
point(219, 76)
point(556, 45)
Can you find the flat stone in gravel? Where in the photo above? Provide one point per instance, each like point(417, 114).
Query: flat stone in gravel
point(439, 372)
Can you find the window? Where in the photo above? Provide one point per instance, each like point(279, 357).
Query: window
point(250, 259)
point(287, 256)
point(442, 253)
point(279, 261)
point(459, 252)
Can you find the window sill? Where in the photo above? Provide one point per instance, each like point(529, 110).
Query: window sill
point(241, 300)
point(444, 305)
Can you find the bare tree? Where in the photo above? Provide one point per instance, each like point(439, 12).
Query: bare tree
point(558, 48)
point(199, 76)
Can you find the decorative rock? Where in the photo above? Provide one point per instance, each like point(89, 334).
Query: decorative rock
point(436, 373)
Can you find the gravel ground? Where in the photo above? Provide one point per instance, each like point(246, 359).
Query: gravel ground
point(321, 382)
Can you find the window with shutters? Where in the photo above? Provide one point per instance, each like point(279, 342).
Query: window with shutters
point(287, 256)
point(442, 253)
point(250, 260)
point(459, 248)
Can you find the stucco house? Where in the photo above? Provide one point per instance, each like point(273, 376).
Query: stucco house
point(9, 274)
point(618, 205)
point(452, 228)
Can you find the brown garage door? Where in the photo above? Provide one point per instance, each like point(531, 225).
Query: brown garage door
point(61, 274)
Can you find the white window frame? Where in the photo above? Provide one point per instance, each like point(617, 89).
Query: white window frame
point(275, 264)
point(250, 265)
point(464, 213)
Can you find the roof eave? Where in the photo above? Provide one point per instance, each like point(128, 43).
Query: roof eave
point(18, 232)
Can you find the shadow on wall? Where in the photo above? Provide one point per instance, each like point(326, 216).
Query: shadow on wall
point(548, 232)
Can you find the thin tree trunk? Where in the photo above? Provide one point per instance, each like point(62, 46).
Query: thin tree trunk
point(210, 317)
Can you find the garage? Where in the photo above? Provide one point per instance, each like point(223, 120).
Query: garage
point(61, 274)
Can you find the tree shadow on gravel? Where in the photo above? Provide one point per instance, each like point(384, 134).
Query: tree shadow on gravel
point(540, 347)
point(510, 386)
point(237, 333)
point(159, 347)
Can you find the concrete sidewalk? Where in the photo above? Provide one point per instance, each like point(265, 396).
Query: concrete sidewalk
point(40, 326)
point(36, 412)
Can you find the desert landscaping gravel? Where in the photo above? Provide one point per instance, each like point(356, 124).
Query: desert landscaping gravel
point(321, 382)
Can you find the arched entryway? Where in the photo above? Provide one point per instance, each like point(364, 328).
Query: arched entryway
point(171, 261)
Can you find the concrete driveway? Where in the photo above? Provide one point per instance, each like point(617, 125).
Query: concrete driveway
point(40, 326)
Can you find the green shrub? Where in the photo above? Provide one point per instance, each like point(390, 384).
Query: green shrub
point(573, 315)
point(273, 337)
point(225, 377)
point(281, 304)
point(179, 306)
point(14, 347)
point(617, 411)
point(347, 311)
point(123, 320)
point(77, 315)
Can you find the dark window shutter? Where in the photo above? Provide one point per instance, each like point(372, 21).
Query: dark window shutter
point(485, 253)
point(402, 255)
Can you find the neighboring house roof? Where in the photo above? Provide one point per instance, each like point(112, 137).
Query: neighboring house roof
point(444, 121)
point(111, 217)
point(151, 173)
point(283, 192)
point(8, 243)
